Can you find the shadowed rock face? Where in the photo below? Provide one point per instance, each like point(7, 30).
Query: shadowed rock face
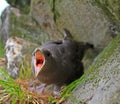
point(17, 51)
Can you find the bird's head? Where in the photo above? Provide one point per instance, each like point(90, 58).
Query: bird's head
point(41, 59)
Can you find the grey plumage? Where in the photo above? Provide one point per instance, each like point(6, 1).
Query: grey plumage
point(61, 61)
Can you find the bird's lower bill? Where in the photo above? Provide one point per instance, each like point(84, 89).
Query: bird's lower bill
point(38, 62)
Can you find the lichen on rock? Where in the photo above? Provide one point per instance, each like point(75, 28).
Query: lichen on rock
point(102, 84)
point(18, 51)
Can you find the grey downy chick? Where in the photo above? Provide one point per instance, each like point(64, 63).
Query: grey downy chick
point(59, 62)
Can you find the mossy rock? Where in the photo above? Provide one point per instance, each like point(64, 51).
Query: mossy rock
point(23, 5)
point(101, 82)
point(111, 9)
point(24, 27)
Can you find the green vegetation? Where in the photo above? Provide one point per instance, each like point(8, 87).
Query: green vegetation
point(23, 5)
point(1, 50)
point(53, 5)
point(25, 72)
point(11, 91)
point(15, 92)
point(52, 100)
point(111, 8)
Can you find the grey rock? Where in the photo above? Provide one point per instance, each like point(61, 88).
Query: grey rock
point(18, 51)
point(85, 20)
point(5, 25)
point(103, 83)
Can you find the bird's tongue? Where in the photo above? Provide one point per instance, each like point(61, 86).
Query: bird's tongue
point(38, 62)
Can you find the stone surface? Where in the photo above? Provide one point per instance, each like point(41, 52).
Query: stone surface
point(85, 21)
point(14, 23)
point(42, 13)
point(111, 9)
point(102, 85)
point(5, 26)
point(18, 52)
point(46, 20)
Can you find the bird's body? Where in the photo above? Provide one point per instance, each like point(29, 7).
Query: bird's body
point(59, 62)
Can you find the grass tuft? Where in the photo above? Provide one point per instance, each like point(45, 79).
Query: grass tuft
point(10, 91)
point(25, 72)
point(1, 50)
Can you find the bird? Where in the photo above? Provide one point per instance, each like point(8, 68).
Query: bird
point(59, 62)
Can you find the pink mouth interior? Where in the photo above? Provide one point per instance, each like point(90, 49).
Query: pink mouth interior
point(39, 59)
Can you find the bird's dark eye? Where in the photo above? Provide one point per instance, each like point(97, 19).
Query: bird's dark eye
point(47, 53)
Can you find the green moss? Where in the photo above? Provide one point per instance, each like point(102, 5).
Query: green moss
point(20, 27)
point(53, 4)
point(19, 21)
point(16, 32)
point(111, 8)
point(1, 50)
point(23, 5)
point(102, 58)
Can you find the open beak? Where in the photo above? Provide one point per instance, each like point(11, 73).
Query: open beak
point(38, 62)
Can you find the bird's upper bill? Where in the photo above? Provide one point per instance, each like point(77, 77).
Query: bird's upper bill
point(38, 62)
